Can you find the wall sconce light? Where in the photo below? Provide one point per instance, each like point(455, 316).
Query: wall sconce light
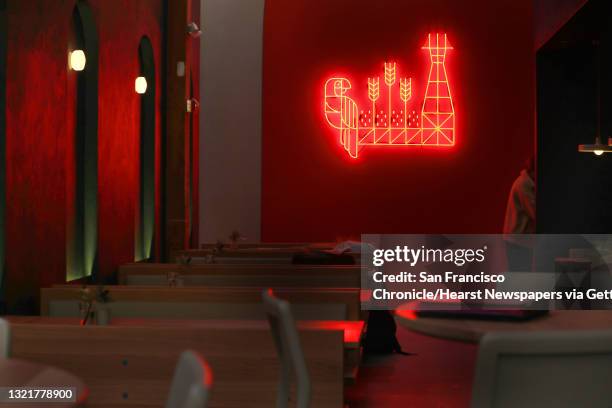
point(192, 105)
point(140, 85)
point(78, 60)
point(193, 30)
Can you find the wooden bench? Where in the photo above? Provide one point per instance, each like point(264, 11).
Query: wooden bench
point(244, 255)
point(257, 275)
point(131, 362)
point(206, 302)
point(243, 245)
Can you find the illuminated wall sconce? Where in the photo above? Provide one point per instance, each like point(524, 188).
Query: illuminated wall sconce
point(193, 30)
point(78, 60)
point(192, 105)
point(140, 85)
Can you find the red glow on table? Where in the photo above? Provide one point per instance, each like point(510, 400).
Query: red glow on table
point(353, 330)
point(407, 314)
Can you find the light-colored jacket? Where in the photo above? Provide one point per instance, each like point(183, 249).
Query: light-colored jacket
point(520, 211)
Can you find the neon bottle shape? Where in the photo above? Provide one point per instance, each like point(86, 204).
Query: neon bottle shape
point(438, 113)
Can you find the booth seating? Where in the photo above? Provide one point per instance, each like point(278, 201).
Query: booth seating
point(206, 302)
point(256, 275)
point(329, 308)
point(130, 363)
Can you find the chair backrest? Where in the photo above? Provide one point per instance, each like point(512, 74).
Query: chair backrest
point(5, 338)
point(287, 341)
point(191, 382)
point(544, 369)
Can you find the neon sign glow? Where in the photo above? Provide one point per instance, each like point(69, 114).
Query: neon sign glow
point(432, 125)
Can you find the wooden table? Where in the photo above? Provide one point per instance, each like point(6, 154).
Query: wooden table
point(472, 330)
point(21, 373)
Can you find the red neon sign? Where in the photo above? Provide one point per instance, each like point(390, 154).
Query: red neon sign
point(379, 125)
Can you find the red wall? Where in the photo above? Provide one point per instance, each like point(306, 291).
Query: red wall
point(40, 134)
point(312, 190)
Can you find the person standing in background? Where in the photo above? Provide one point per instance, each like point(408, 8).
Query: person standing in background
point(520, 219)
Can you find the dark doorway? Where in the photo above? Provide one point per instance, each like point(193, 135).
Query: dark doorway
point(573, 189)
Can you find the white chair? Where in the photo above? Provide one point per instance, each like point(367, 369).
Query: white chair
point(5, 338)
point(287, 341)
point(191, 382)
point(544, 369)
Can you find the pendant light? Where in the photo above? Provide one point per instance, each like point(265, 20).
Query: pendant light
point(598, 148)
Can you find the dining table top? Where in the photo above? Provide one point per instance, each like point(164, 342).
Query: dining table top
point(472, 329)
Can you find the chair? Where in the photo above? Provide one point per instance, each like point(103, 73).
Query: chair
point(191, 382)
point(5, 338)
point(289, 350)
point(544, 369)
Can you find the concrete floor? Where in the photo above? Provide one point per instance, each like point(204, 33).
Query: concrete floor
point(439, 375)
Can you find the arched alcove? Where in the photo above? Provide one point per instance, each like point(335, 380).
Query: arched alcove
point(145, 225)
point(83, 239)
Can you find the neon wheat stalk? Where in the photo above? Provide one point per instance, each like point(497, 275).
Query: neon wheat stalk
point(373, 95)
point(389, 80)
point(405, 95)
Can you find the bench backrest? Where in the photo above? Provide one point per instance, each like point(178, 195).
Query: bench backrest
point(205, 303)
point(256, 275)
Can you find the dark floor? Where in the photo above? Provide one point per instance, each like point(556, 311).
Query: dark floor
point(438, 376)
